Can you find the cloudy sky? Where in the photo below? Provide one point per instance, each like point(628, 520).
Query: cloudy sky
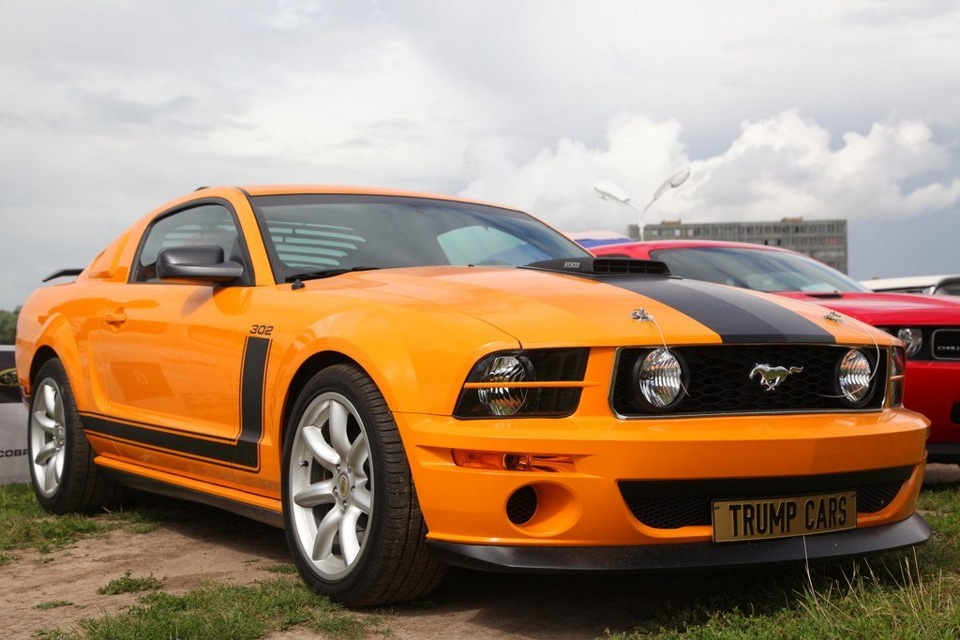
point(822, 108)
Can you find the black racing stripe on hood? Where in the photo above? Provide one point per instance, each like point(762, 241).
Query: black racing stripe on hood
point(736, 315)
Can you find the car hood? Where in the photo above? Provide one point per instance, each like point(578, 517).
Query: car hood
point(889, 308)
point(545, 307)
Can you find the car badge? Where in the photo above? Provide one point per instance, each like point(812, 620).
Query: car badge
point(771, 377)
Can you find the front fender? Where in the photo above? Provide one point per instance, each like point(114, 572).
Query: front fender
point(417, 360)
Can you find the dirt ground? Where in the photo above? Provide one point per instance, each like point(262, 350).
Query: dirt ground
point(212, 545)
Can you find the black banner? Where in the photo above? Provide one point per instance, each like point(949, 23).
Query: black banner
point(9, 389)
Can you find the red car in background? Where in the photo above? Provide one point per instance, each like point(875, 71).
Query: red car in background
point(928, 325)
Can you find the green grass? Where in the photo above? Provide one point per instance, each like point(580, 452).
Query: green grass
point(128, 584)
point(23, 524)
point(224, 611)
point(214, 611)
point(909, 594)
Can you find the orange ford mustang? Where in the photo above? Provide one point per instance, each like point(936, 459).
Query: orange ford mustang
point(406, 381)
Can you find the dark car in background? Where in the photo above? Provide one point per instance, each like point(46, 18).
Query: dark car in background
point(928, 325)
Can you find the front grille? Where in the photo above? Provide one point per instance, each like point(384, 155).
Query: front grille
point(946, 344)
point(674, 504)
point(720, 380)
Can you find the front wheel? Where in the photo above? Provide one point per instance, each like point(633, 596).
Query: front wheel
point(350, 509)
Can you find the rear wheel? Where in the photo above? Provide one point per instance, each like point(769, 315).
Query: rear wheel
point(64, 477)
point(351, 514)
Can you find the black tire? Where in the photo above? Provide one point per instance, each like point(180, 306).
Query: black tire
point(350, 509)
point(65, 478)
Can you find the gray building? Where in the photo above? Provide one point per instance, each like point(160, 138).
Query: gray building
point(825, 240)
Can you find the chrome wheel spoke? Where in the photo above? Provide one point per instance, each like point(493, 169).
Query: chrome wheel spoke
point(315, 494)
point(349, 538)
point(319, 449)
point(359, 452)
point(47, 453)
point(47, 424)
point(361, 499)
point(51, 474)
point(326, 534)
point(339, 420)
point(50, 400)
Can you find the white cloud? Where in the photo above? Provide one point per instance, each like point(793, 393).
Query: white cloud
point(779, 166)
point(824, 108)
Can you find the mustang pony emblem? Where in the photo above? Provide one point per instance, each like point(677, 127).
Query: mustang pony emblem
point(771, 377)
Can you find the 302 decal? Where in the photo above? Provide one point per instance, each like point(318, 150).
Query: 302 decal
point(261, 330)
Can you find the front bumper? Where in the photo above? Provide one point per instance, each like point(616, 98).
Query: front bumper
point(933, 389)
point(584, 505)
point(697, 555)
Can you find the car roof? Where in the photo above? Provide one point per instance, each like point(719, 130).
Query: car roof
point(302, 189)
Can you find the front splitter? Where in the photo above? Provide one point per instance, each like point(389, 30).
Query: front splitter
point(698, 555)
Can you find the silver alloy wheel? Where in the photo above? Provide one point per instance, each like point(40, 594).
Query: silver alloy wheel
point(331, 485)
point(48, 436)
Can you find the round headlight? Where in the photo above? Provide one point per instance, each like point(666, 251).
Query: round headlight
point(505, 401)
point(659, 380)
point(854, 376)
point(912, 339)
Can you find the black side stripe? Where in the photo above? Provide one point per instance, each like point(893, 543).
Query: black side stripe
point(736, 315)
point(252, 388)
point(242, 452)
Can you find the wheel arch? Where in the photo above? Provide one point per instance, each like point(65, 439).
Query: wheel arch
point(55, 340)
point(40, 358)
point(309, 368)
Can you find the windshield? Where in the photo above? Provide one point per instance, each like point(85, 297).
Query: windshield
point(756, 269)
point(307, 234)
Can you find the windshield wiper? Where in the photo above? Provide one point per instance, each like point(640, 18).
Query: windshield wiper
point(324, 273)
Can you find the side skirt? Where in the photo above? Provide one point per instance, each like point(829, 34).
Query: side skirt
point(224, 498)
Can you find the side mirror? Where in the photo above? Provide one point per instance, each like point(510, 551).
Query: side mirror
point(202, 263)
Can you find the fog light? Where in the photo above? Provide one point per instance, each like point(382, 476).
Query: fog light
point(659, 380)
point(522, 505)
point(854, 376)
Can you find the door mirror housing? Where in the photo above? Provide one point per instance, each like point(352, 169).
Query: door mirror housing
point(200, 263)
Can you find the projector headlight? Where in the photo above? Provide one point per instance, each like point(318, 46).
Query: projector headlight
point(506, 400)
point(524, 383)
point(912, 339)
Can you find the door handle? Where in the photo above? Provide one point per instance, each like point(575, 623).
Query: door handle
point(116, 318)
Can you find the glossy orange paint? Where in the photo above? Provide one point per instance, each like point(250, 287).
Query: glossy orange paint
point(169, 360)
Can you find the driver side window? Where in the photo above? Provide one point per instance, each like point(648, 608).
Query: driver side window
point(208, 224)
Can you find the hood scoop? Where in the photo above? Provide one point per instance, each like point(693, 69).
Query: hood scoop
point(602, 266)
